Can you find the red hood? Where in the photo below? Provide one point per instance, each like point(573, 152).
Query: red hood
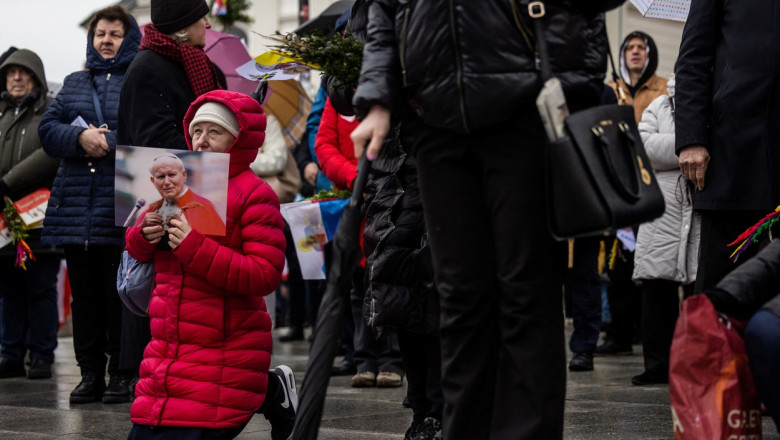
point(251, 122)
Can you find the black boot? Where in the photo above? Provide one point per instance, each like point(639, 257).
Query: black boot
point(39, 369)
point(90, 389)
point(118, 390)
point(9, 368)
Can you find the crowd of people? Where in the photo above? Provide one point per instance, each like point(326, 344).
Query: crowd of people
point(462, 291)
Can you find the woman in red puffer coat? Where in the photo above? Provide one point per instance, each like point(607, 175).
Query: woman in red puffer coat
point(206, 370)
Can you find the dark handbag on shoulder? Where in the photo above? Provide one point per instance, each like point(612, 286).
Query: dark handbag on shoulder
point(598, 175)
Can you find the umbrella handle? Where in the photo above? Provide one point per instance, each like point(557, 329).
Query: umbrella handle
point(261, 91)
point(364, 166)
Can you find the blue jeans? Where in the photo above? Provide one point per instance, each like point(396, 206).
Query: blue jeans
point(762, 343)
point(29, 312)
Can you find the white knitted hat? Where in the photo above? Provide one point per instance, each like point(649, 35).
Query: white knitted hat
point(217, 113)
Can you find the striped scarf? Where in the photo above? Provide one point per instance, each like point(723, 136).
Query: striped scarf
point(200, 71)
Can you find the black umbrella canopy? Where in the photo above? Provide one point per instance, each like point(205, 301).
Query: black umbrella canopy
point(327, 19)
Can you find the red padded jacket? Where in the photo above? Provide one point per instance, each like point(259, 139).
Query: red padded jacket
point(334, 148)
point(207, 363)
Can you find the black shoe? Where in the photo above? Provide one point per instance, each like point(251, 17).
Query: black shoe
point(282, 415)
point(610, 347)
point(650, 378)
point(429, 430)
point(413, 430)
point(39, 369)
point(581, 362)
point(345, 368)
point(295, 334)
point(9, 368)
point(90, 389)
point(118, 390)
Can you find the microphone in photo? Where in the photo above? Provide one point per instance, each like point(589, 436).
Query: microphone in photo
point(138, 205)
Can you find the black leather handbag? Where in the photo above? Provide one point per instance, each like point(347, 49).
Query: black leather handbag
point(598, 176)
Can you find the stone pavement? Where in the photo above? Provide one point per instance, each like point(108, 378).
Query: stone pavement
point(600, 405)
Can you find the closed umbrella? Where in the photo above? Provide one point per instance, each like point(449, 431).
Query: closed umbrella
point(346, 254)
point(676, 10)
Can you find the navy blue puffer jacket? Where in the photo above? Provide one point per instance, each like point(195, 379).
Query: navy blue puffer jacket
point(81, 208)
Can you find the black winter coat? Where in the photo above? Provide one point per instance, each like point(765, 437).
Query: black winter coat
point(752, 286)
point(467, 64)
point(154, 99)
point(81, 208)
point(400, 291)
point(728, 100)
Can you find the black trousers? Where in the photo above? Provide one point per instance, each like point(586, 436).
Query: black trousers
point(421, 354)
point(584, 285)
point(97, 310)
point(660, 309)
point(718, 229)
point(499, 274)
point(625, 301)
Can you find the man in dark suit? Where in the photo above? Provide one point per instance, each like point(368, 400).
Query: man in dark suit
point(728, 122)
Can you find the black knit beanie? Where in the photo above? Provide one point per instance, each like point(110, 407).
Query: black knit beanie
point(170, 16)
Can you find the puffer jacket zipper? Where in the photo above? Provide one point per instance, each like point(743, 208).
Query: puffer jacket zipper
point(21, 144)
point(526, 33)
point(459, 67)
point(402, 48)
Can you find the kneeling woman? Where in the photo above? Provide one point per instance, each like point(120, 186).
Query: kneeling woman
point(206, 370)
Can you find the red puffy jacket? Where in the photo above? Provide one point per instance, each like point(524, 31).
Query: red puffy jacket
point(334, 148)
point(207, 363)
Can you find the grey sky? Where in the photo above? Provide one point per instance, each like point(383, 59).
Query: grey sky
point(51, 29)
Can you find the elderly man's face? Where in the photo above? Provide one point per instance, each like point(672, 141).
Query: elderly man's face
point(19, 82)
point(169, 179)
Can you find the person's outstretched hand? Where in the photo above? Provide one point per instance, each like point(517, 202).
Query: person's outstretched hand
point(373, 128)
point(693, 164)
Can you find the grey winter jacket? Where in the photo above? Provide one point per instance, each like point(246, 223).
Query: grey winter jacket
point(667, 248)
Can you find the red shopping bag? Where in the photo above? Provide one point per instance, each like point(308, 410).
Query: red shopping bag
point(710, 384)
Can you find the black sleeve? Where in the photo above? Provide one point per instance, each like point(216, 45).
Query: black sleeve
point(693, 74)
point(380, 76)
point(146, 113)
point(748, 287)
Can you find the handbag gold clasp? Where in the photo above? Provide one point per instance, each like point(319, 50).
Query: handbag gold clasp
point(623, 126)
point(536, 9)
point(642, 170)
point(597, 131)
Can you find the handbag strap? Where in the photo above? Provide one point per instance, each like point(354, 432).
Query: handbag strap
point(96, 102)
point(537, 11)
